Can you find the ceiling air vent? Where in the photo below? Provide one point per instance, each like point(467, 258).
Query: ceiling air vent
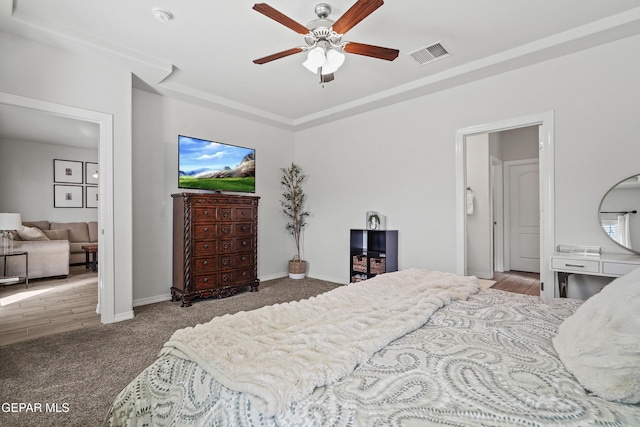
point(430, 53)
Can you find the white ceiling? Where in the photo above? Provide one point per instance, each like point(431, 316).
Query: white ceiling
point(204, 54)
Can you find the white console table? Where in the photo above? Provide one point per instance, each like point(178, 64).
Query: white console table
point(608, 265)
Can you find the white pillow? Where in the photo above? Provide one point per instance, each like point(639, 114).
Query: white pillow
point(600, 343)
point(31, 233)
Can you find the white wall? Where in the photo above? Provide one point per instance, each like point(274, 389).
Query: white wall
point(158, 122)
point(399, 160)
point(26, 180)
point(47, 74)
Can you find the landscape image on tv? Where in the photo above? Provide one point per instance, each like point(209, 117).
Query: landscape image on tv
point(209, 165)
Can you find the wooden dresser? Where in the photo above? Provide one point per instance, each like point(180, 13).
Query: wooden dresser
point(215, 245)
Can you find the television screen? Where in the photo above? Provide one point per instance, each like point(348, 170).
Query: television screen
point(209, 165)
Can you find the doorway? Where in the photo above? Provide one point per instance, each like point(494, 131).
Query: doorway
point(106, 283)
point(546, 239)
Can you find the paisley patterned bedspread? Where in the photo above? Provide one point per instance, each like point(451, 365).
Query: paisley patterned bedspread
point(487, 361)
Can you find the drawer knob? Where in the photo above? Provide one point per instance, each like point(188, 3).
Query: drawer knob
point(225, 278)
point(575, 265)
point(244, 273)
point(244, 243)
point(205, 263)
point(244, 258)
point(206, 246)
point(206, 229)
point(206, 212)
point(205, 280)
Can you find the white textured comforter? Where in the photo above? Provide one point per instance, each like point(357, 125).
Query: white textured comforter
point(279, 354)
point(486, 361)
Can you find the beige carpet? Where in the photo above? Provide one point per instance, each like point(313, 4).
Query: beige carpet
point(82, 371)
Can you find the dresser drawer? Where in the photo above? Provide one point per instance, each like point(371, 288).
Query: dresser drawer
point(233, 261)
point(617, 268)
point(204, 231)
point(244, 214)
point(236, 213)
point(204, 248)
point(243, 260)
point(577, 265)
point(242, 275)
point(225, 229)
point(204, 282)
point(205, 265)
point(241, 244)
point(243, 229)
point(202, 214)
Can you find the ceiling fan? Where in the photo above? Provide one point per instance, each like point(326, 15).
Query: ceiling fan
point(323, 37)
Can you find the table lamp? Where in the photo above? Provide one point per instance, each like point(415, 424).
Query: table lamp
point(8, 221)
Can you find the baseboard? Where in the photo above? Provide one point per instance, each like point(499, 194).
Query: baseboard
point(273, 276)
point(167, 297)
point(338, 280)
point(311, 276)
point(480, 274)
point(123, 316)
point(151, 300)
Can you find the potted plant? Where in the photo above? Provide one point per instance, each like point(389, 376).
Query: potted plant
point(373, 220)
point(293, 200)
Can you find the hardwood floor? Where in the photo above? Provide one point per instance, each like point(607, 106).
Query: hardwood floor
point(519, 282)
point(49, 306)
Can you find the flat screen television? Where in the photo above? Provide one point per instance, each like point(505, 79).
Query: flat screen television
point(215, 166)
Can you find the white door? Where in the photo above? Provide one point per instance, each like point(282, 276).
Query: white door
point(524, 216)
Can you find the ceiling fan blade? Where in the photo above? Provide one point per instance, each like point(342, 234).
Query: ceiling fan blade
point(278, 55)
point(372, 51)
point(360, 10)
point(280, 17)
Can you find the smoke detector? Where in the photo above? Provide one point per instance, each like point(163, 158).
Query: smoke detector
point(162, 15)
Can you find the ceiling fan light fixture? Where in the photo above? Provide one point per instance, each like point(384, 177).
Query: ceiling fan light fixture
point(316, 58)
point(335, 59)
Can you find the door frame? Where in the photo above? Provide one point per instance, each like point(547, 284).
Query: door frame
point(106, 282)
point(497, 216)
point(545, 121)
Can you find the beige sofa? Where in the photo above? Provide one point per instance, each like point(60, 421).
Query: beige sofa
point(51, 255)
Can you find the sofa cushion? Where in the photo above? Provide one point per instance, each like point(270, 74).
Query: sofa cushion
point(78, 231)
point(31, 233)
point(42, 225)
point(60, 234)
point(93, 231)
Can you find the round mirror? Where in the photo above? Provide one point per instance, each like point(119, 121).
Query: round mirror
point(619, 215)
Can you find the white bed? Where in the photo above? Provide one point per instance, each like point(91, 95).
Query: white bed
point(447, 354)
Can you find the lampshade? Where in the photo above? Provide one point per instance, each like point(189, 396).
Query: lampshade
point(334, 60)
point(329, 61)
point(315, 59)
point(10, 221)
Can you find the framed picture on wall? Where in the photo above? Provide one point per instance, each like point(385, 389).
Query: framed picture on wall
point(67, 171)
point(90, 173)
point(67, 196)
point(91, 196)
